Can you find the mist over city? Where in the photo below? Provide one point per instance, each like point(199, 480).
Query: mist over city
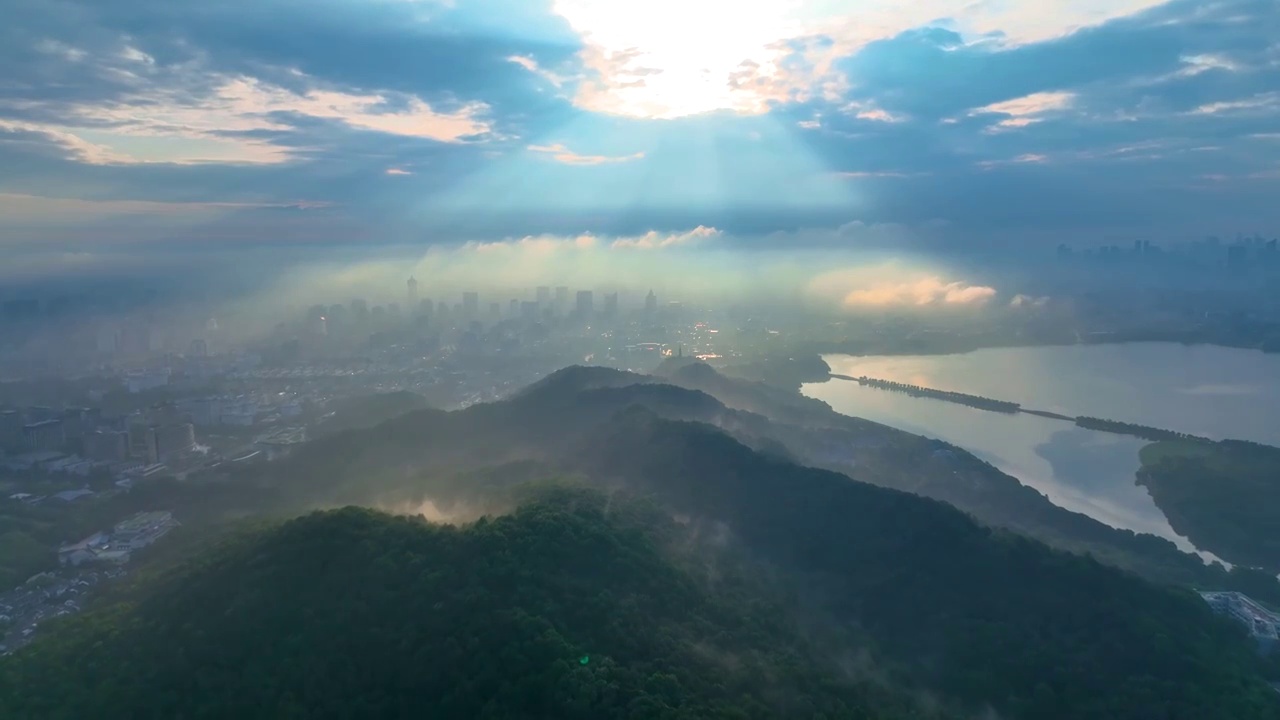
point(617, 359)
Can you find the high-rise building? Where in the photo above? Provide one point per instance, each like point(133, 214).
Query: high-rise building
point(44, 436)
point(1237, 257)
point(495, 310)
point(359, 310)
point(10, 429)
point(411, 296)
point(611, 305)
point(650, 303)
point(76, 421)
point(544, 296)
point(586, 304)
point(562, 298)
point(142, 442)
point(107, 446)
point(470, 305)
point(174, 439)
point(513, 308)
point(529, 310)
point(426, 307)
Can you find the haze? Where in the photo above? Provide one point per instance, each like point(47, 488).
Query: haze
point(640, 358)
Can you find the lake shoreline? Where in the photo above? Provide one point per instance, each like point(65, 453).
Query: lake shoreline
point(1155, 391)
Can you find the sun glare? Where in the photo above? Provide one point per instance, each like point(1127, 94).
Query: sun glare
point(673, 58)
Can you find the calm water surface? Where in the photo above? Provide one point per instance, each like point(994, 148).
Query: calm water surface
point(1211, 391)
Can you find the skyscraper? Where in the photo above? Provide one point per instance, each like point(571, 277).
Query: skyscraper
point(611, 305)
point(470, 305)
point(412, 295)
point(650, 303)
point(586, 304)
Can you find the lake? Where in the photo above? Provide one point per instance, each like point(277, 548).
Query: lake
point(1205, 390)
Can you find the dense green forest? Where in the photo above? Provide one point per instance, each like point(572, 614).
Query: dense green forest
point(575, 606)
point(1224, 496)
point(982, 615)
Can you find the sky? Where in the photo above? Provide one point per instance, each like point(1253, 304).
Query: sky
point(135, 131)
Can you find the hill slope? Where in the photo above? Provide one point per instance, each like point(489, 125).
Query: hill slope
point(982, 617)
point(569, 608)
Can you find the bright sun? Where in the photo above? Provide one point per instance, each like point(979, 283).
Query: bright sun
point(671, 58)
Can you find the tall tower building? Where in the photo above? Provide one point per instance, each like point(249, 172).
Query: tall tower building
point(611, 305)
point(586, 304)
point(412, 296)
point(650, 303)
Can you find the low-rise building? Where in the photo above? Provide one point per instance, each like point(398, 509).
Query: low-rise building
point(1261, 623)
point(281, 443)
point(142, 530)
point(85, 551)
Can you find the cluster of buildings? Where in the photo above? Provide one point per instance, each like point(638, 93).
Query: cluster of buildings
point(1261, 623)
point(115, 546)
point(84, 564)
point(547, 304)
point(42, 598)
point(78, 440)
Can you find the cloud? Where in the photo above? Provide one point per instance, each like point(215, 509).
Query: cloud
point(168, 122)
point(889, 285)
point(19, 208)
point(654, 240)
point(1267, 103)
point(667, 58)
point(531, 64)
point(562, 154)
point(588, 242)
point(1059, 121)
point(1028, 301)
point(397, 171)
point(1025, 110)
point(541, 245)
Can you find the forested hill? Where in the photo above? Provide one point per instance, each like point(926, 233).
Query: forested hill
point(365, 411)
point(979, 614)
point(917, 591)
point(572, 607)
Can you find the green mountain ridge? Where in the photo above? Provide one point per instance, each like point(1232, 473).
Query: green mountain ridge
point(571, 607)
point(925, 595)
